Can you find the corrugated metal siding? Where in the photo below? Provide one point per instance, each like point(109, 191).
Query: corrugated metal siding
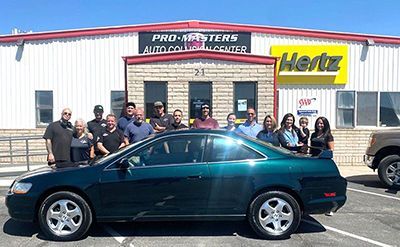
point(80, 71)
point(371, 68)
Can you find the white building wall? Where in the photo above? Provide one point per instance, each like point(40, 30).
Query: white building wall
point(81, 72)
point(371, 68)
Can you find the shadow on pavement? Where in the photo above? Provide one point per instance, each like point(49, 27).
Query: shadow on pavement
point(18, 228)
point(153, 229)
point(372, 181)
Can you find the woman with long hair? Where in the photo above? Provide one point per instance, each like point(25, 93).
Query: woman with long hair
point(322, 138)
point(287, 133)
point(269, 134)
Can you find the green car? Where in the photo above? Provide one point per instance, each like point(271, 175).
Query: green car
point(182, 175)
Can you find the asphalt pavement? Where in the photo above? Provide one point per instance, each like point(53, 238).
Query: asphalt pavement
point(370, 217)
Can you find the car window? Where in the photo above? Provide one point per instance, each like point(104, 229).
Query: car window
point(172, 150)
point(228, 149)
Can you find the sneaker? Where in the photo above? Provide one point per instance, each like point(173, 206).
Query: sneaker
point(329, 214)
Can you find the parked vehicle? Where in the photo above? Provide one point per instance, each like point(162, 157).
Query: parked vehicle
point(182, 175)
point(383, 153)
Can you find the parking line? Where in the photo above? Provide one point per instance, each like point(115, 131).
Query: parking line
point(348, 234)
point(115, 234)
point(372, 193)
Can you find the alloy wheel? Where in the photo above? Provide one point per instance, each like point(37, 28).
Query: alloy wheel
point(276, 215)
point(64, 217)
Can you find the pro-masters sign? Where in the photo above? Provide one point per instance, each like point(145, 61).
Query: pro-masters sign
point(311, 64)
point(155, 42)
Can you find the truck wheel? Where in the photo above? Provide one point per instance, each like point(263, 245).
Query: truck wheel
point(64, 216)
point(389, 170)
point(274, 215)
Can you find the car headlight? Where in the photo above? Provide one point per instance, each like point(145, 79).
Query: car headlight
point(371, 141)
point(20, 188)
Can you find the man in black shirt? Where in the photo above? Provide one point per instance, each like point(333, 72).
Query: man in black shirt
point(112, 139)
point(58, 136)
point(97, 126)
point(177, 124)
point(161, 120)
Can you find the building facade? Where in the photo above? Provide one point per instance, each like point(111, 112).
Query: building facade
point(352, 79)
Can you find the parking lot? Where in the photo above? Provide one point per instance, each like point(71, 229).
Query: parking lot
point(370, 217)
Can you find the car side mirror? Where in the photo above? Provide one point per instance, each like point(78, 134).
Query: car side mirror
point(124, 164)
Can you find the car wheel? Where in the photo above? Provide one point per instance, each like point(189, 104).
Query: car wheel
point(64, 216)
point(389, 170)
point(274, 215)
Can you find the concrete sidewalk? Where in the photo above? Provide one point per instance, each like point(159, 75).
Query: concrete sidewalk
point(8, 173)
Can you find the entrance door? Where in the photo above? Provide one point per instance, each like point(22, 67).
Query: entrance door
point(199, 93)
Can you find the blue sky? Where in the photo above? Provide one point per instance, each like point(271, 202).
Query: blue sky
point(357, 16)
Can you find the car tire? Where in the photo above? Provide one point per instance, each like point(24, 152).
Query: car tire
point(64, 216)
point(274, 215)
point(389, 170)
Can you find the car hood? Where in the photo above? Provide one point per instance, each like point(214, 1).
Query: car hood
point(45, 170)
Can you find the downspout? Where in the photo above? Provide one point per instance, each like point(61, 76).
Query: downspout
point(126, 79)
point(275, 90)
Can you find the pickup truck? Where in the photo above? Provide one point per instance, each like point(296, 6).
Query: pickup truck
point(383, 153)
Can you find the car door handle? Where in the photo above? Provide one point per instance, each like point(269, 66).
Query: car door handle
point(198, 176)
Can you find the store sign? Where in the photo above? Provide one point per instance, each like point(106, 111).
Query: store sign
point(155, 42)
point(311, 64)
point(307, 107)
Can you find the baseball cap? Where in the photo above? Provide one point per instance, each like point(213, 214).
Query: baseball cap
point(158, 103)
point(130, 104)
point(98, 108)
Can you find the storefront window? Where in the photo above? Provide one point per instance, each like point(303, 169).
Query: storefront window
point(345, 109)
point(44, 107)
point(390, 109)
point(154, 91)
point(245, 97)
point(117, 103)
point(199, 93)
point(367, 108)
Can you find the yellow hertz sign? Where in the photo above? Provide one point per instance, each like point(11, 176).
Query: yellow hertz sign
point(311, 64)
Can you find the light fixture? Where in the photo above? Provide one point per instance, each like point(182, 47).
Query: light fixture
point(370, 42)
point(20, 42)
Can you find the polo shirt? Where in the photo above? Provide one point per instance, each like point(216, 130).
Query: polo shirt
point(111, 140)
point(249, 129)
point(163, 121)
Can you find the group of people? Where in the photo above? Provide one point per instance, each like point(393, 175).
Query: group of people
point(66, 143)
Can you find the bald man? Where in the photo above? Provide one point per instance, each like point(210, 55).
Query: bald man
point(138, 129)
point(58, 136)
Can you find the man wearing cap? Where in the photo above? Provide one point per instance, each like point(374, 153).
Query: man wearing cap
point(161, 120)
point(205, 121)
point(130, 111)
point(138, 129)
point(97, 126)
point(58, 136)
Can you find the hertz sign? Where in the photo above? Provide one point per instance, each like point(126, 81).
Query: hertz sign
point(311, 64)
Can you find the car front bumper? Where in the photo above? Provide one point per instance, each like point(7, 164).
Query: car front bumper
point(368, 160)
point(20, 207)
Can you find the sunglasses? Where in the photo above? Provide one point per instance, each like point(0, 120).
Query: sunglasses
point(251, 114)
point(67, 113)
point(205, 108)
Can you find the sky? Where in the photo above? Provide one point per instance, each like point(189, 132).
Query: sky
point(354, 16)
